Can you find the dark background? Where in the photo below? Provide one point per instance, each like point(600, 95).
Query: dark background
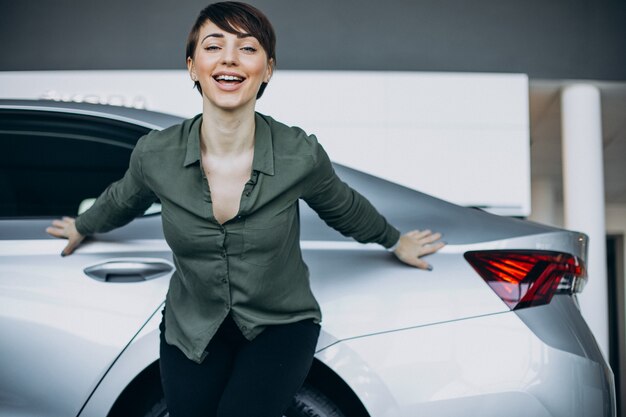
point(547, 39)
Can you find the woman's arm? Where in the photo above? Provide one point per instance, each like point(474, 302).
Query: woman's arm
point(118, 204)
point(347, 211)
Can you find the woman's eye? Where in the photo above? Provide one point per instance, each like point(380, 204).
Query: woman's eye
point(248, 49)
point(211, 48)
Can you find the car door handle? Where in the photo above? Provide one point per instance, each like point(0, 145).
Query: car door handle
point(129, 270)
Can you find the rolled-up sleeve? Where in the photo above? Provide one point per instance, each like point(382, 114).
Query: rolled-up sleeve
point(121, 201)
point(342, 207)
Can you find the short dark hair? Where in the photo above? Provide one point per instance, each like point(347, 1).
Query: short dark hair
point(232, 17)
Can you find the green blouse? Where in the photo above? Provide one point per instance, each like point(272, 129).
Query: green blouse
point(250, 266)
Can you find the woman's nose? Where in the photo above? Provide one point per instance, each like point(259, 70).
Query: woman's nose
point(229, 56)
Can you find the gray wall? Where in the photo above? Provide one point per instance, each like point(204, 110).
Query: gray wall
point(552, 39)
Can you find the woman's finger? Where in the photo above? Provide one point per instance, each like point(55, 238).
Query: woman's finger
point(69, 248)
point(419, 234)
point(430, 238)
point(413, 260)
point(421, 264)
point(55, 231)
point(430, 248)
point(59, 223)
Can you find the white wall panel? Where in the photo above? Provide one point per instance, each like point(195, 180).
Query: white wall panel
point(461, 137)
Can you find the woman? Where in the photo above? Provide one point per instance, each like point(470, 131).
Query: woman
point(240, 324)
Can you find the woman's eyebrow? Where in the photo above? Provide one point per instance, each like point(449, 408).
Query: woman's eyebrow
point(213, 35)
point(221, 35)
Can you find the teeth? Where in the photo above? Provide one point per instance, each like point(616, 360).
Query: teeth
point(228, 78)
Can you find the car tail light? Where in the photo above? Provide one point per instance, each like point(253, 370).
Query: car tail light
point(524, 278)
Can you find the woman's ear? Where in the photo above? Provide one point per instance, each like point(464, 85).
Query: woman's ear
point(191, 69)
point(270, 71)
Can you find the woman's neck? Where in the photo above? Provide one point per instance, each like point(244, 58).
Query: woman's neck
point(225, 133)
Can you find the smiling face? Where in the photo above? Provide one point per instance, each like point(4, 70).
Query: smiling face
point(230, 67)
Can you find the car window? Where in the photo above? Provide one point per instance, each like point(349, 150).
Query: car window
point(51, 162)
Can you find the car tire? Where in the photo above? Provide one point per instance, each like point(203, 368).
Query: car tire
point(308, 402)
point(158, 410)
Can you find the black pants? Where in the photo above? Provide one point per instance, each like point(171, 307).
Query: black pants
point(239, 378)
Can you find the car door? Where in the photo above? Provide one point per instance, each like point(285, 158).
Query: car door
point(65, 320)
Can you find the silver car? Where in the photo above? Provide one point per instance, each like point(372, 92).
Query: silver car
point(493, 330)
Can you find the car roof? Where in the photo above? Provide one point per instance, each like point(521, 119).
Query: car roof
point(142, 117)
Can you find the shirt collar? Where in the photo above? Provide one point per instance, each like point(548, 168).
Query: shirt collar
point(263, 145)
point(193, 141)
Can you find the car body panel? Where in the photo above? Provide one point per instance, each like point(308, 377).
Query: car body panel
point(62, 329)
point(139, 355)
point(368, 291)
point(488, 366)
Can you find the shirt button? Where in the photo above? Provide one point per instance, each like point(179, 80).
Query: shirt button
point(224, 280)
point(223, 254)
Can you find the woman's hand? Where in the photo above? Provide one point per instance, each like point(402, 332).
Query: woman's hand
point(65, 228)
point(417, 243)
